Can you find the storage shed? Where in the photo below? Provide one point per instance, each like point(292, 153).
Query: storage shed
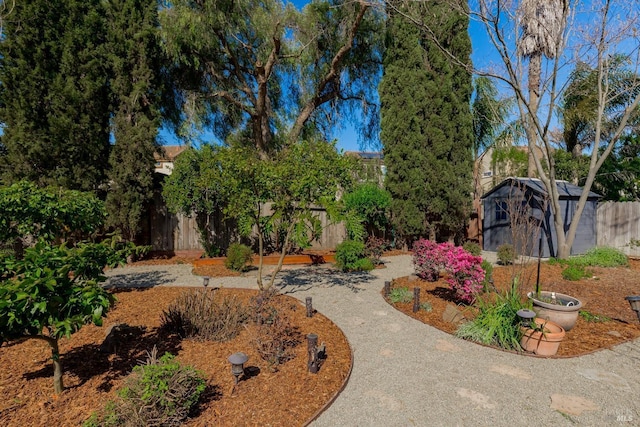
point(527, 198)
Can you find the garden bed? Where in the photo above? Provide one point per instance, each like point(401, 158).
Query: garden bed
point(601, 295)
point(290, 396)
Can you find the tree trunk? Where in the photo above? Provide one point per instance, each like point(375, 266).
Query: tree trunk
point(535, 63)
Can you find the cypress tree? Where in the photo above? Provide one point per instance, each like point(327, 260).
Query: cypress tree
point(427, 124)
point(135, 60)
point(55, 108)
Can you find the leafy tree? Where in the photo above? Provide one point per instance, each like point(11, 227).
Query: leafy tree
point(55, 94)
point(51, 294)
point(135, 60)
point(27, 211)
point(371, 203)
point(270, 74)
point(264, 193)
point(619, 177)
point(426, 122)
point(195, 188)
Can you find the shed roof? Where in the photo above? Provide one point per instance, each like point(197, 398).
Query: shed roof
point(566, 190)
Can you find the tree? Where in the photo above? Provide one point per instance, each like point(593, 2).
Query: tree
point(29, 213)
point(426, 123)
point(136, 84)
point(52, 293)
point(270, 74)
point(55, 94)
point(267, 194)
point(371, 204)
point(619, 177)
point(594, 42)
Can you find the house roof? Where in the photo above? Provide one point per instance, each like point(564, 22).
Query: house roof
point(566, 190)
point(170, 152)
point(366, 154)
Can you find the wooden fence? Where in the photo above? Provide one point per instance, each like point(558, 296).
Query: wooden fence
point(168, 232)
point(618, 226)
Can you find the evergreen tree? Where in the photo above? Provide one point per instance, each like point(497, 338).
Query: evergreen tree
point(55, 107)
point(135, 59)
point(427, 124)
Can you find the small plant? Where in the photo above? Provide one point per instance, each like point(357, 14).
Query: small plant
point(497, 323)
point(350, 256)
point(238, 257)
point(575, 272)
point(426, 306)
point(196, 314)
point(159, 393)
point(374, 248)
point(472, 247)
point(506, 254)
point(275, 342)
point(488, 275)
point(594, 318)
point(400, 295)
point(601, 257)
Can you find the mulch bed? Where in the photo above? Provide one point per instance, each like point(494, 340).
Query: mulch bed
point(289, 396)
point(603, 294)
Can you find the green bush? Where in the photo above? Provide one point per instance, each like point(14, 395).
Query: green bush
point(601, 257)
point(575, 272)
point(497, 322)
point(506, 254)
point(160, 393)
point(197, 314)
point(238, 256)
point(473, 248)
point(350, 256)
point(488, 274)
point(400, 295)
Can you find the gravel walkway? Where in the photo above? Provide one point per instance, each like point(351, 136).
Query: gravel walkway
point(407, 373)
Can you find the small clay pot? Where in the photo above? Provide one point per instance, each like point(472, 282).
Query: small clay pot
point(543, 343)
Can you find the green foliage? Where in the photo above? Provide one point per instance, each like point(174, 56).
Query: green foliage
point(601, 257)
point(488, 274)
point(619, 177)
point(55, 106)
point(161, 392)
point(569, 167)
point(238, 257)
point(350, 256)
point(400, 295)
point(593, 318)
point(506, 254)
point(426, 306)
point(197, 314)
point(426, 122)
point(371, 203)
point(473, 248)
point(497, 322)
point(575, 272)
point(26, 210)
point(510, 160)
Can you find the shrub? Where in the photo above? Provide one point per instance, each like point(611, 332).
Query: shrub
point(196, 314)
point(601, 257)
point(473, 248)
point(575, 272)
point(466, 276)
point(350, 255)
point(238, 256)
point(506, 254)
point(275, 342)
point(497, 323)
point(374, 248)
point(400, 295)
point(488, 274)
point(159, 393)
point(370, 203)
point(429, 258)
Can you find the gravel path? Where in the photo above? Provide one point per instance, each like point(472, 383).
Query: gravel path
point(407, 373)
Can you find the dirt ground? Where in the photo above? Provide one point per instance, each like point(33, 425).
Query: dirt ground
point(603, 294)
point(291, 396)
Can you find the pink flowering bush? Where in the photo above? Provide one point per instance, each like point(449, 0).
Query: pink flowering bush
point(465, 272)
point(429, 258)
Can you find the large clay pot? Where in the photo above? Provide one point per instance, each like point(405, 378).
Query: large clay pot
point(564, 314)
point(542, 343)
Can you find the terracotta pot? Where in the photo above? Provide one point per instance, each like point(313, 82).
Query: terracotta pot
point(542, 343)
point(565, 314)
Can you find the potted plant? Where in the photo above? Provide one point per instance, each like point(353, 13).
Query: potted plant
point(542, 337)
point(556, 307)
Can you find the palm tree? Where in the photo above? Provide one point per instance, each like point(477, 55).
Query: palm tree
point(542, 23)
